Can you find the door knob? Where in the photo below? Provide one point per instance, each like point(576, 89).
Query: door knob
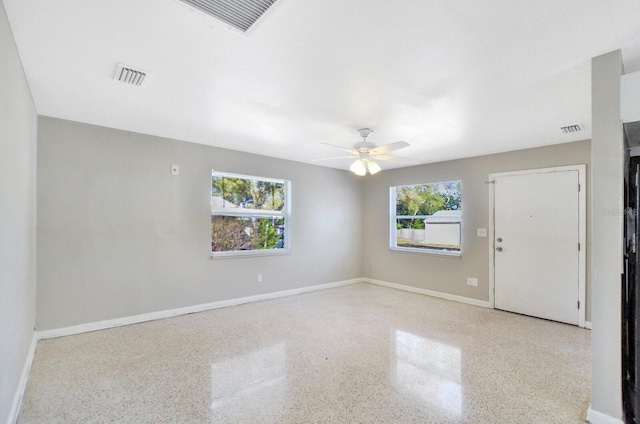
point(499, 249)
point(499, 239)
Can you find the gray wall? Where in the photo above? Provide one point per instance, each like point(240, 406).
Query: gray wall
point(118, 235)
point(18, 132)
point(607, 151)
point(448, 274)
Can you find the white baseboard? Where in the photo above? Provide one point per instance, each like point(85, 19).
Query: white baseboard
point(595, 417)
point(587, 325)
point(22, 384)
point(135, 319)
point(470, 301)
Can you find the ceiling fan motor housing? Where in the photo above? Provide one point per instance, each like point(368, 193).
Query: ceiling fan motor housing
point(364, 146)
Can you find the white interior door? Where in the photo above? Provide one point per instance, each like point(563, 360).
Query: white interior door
point(536, 244)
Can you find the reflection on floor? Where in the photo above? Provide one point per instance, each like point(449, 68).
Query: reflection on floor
point(356, 354)
point(429, 371)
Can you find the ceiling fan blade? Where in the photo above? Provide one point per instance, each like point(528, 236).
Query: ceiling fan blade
point(389, 158)
point(385, 148)
point(341, 148)
point(336, 157)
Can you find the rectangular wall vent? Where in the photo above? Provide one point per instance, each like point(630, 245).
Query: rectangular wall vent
point(240, 14)
point(572, 128)
point(129, 75)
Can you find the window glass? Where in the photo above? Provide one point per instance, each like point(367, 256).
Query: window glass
point(248, 214)
point(427, 218)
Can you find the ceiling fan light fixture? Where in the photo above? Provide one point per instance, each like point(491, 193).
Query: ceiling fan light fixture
point(373, 167)
point(358, 167)
point(362, 166)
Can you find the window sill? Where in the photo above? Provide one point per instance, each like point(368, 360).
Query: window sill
point(430, 252)
point(249, 253)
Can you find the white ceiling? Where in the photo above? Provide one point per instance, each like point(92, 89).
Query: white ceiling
point(452, 78)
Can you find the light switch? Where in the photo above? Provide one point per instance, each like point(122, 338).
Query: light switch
point(175, 170)
point(482, 232)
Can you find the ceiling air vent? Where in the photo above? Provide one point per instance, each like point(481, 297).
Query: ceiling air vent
point(572, 128)
point(240, 14)
point(129, 75)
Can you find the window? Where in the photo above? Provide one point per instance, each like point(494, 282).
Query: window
point(249, 215)
point(427, 218)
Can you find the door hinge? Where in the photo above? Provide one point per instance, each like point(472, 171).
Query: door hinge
point(578, 247)
point(578, 304)
point(578, 187)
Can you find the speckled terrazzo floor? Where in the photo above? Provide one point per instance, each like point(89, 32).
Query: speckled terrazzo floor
point(355, 354)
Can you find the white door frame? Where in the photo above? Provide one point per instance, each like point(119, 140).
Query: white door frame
point(582, 232)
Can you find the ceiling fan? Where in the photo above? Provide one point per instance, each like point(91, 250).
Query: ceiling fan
point(366, 151)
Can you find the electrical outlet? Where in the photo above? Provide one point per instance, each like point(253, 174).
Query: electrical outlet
point(482, 232)
point(472, 282)
point(259, 278)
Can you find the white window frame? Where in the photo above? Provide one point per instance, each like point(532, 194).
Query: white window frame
point(254, 213)
point(393, 234)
